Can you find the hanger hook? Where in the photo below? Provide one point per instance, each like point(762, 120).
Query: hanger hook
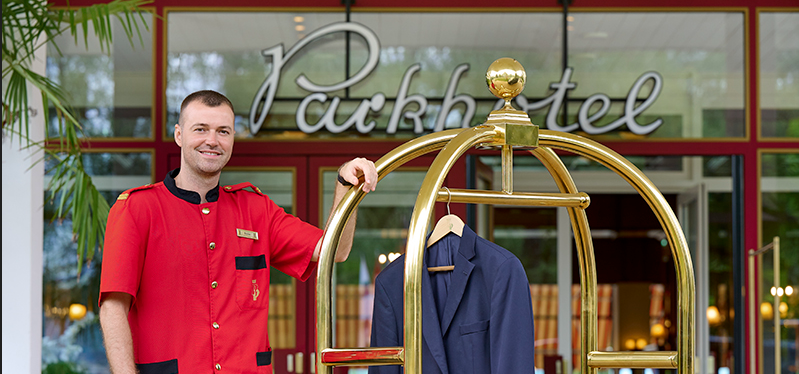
point(449, 198)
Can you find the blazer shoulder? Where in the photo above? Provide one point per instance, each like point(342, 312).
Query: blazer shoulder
point(493, 249)
point(394, 269)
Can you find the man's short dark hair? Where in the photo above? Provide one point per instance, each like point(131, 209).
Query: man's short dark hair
point(206, 97)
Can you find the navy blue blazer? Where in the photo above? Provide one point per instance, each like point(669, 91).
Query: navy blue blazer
point(485, 320)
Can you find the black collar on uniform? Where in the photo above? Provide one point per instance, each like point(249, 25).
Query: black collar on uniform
point(190, 196)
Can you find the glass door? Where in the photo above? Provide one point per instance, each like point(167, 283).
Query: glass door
point(693, 216)
point(775, 338)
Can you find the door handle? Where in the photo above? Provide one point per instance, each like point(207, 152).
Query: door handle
point(313, 362)
point(299, 364)
point(290, 363)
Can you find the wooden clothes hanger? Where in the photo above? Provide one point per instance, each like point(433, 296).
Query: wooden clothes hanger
point(450, 223)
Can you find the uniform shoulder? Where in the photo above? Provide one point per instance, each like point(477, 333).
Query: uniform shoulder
point(246, 186)
point(126, 195)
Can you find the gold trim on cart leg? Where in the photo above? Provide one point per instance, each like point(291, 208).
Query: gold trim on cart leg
point(506, 129)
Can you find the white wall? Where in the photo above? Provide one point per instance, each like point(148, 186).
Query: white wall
point(23, 196)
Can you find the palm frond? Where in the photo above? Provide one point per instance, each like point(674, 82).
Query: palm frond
point(27, 26)
point(74, 194)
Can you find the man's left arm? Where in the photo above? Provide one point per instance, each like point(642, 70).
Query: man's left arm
point(353, 172)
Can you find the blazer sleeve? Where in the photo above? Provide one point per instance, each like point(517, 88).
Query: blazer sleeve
point(384, 325)
point(512, 332)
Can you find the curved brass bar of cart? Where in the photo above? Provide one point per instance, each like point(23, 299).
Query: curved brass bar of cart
point(455, 143)
point(585, 252)
point(324, 318)
point(422, 213)
point(679, 247)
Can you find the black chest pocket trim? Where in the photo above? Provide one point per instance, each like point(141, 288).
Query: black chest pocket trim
point(263, 358)
point(163, 367)
point(251, 262)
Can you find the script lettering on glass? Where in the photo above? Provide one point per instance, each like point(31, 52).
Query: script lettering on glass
point(584, 122)
point(263, 99)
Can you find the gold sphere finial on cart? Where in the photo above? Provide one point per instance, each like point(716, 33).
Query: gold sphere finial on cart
point(506, 78)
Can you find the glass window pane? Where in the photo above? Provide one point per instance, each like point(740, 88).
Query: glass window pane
point(780, 218)
point(80, 341)
point(779, 74)
point(239, 68)
point(720, 280)
point(229, 58)
point(446, 72)
point(678, 86)
point(111, 91)
point(703, 93)
point(716, 166)
point(780, 165)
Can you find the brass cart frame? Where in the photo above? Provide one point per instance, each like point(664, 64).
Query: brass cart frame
point(506, 130)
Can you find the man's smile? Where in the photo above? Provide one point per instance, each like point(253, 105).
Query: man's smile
point(211, 153)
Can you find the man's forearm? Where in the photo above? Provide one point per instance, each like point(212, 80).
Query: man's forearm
point(347, 235)
point(351, 173)
point(117, 337)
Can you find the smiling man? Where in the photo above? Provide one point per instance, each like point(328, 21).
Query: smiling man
point(206, 142)
point(185, 277)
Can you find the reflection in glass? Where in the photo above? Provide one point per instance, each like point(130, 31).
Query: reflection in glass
point(703, 78)
point(779, 74)
point(110, 91)
point(780, 218)
point(720, 279)
point(702, 94)
point(233, 63)
point(716, 166)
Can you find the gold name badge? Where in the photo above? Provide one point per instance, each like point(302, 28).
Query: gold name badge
point(242, 233)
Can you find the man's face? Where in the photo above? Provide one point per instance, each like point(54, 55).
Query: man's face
point(205, 138)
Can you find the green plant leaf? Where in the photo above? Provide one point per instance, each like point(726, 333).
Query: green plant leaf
point(27, 26)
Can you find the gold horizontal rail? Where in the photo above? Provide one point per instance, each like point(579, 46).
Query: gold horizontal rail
point(569, 200)
point(633, 360)
point(363, 356)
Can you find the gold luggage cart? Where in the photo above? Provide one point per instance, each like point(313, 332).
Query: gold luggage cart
point(506, 129)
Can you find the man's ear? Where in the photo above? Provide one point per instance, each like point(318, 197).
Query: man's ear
point(178, 136)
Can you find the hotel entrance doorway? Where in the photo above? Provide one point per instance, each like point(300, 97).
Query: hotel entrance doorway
point(635, 268)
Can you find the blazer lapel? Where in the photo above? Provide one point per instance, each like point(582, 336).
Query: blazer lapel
point(431, 328)
point(460, 277)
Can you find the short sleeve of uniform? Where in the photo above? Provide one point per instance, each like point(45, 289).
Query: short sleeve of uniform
point(123, 252)
point(292, 242)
